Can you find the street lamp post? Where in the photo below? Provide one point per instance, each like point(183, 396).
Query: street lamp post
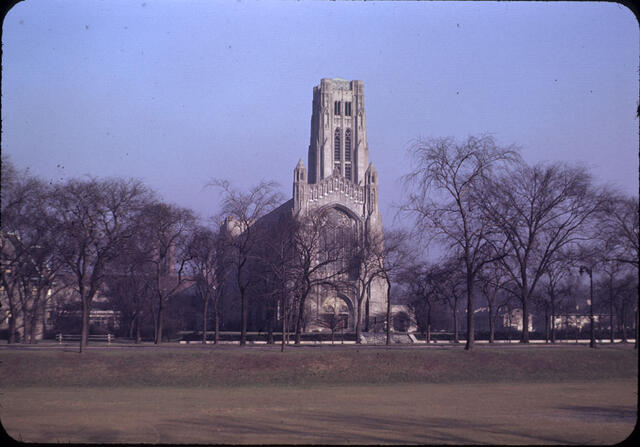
point(583, 268)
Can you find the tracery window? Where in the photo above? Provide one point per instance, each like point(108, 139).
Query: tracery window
point(347, 145)
point(339, 240)
point(336, 145)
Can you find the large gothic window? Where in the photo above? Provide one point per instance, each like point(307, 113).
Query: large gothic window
point(336, 145)
point(339, 241)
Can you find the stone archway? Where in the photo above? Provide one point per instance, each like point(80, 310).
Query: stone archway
point(401, 322)
point(336, 313)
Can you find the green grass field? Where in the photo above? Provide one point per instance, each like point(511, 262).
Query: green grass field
point(513, 395)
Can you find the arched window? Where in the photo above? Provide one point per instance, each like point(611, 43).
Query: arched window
point(347, 145)
point(336, 145)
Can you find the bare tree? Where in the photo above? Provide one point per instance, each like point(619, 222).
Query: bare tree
point(421, 282)
point(444, 282)
point(539, 210)
point(391, 257)
point(166, 229)
point(492, 280)
point(452, 289)
point(17, 196)
point(627, 304)
point(241, 211)
point(332, 321)
point(556, 288)
point(611, 286)
point(206, 261)
point(30, 266)
point(442, 196)
point(38, 275)
point(276, 266)
point(619, 221)
point(130, 284)
point(320, 256)
point(94, 219)
point(366, 264)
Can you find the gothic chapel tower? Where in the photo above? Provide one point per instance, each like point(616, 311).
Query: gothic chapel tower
point(340, 175)
point(338, 150)
point(338, 131)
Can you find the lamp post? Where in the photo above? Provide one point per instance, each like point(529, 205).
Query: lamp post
point(583, 268)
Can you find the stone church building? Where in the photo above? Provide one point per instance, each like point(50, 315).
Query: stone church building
point(342, 181)
point(341, 177)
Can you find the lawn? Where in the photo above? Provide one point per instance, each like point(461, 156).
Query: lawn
point(513, 395)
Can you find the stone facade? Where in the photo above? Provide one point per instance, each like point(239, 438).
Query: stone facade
point(341, 177)
point(340, 180)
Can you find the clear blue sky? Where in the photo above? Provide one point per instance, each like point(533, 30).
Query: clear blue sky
point(179, 92)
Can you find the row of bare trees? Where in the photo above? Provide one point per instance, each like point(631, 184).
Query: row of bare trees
point(507, 225)
point(83, 237)
point(281, 259)
point(509, 232)
point(83, 240)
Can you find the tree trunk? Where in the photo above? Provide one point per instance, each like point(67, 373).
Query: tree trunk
point(388, 311)
point(492, 325)
point(546, 323)
point(158, 337)
point(84, 335)
point(592, 323)
point(470, 323)
point(611, 331)
point(204, 319)
point(138, 335)
point(34, 324)
point(635, 343)
point(525, 317)
point(154, 318)
point(26, 320)
point(358, 320)
point(366, 313)
point(284, 323)
point(428, 323)
point(12, 327)
point(9, 293)
point(455, 323)
point(299, 319)
point(553, 319)
point(131, 326)
point(271, 324)
point(216, 322)
point(624, 325)
point(243, 316)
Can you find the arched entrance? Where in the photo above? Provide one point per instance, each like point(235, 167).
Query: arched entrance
point(336, 313)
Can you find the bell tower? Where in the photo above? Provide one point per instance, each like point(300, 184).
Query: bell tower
point(338, 131)
point(340, 179)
